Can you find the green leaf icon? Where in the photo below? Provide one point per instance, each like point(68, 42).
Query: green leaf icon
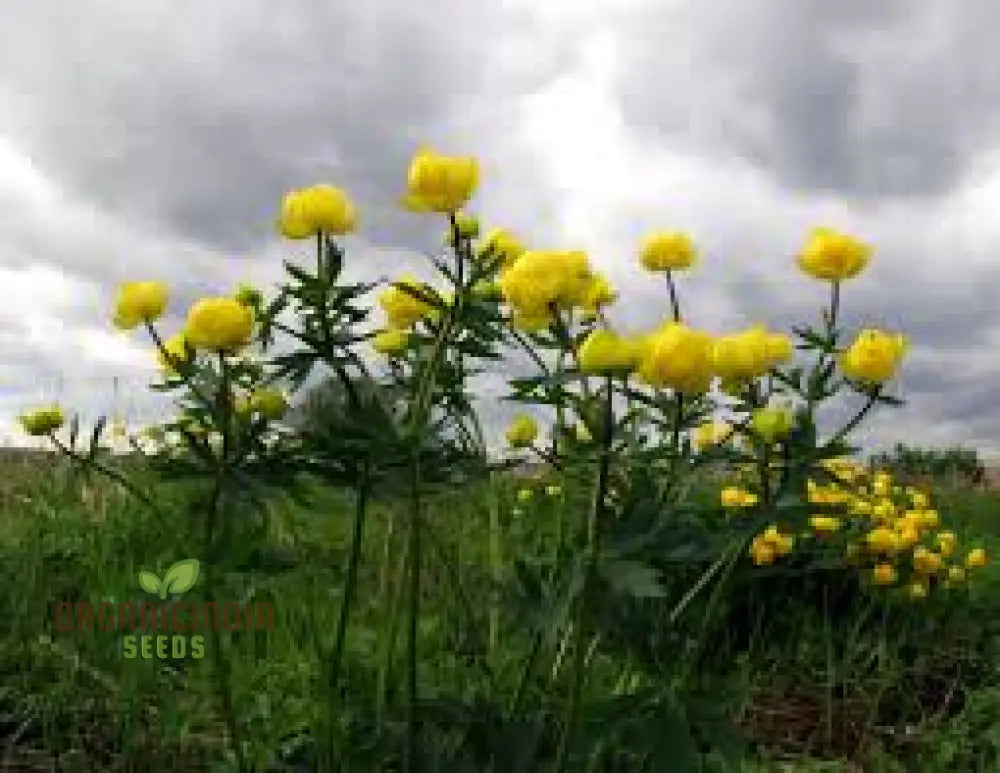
point(180, 577)
point(149, 582)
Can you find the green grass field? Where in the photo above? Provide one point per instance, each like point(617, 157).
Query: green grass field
point(812, 678)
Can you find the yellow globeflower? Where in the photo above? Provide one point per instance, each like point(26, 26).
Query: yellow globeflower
point(329, 209)
point(218, 324)
point(138, 303)
point(833, 256)
point(269, 402)
point(763, 553)
point(881, 540)
point(925, 561)
point(604, 351)
point(677, 357)
point(439, 183)
point(824, 524)
point(946, 542)
point(749, 354)
point(42, 421)
point(667, 251)
point(391, 341)
point(710, 433)
point(956, 573)
point(733, 496)
point(976, 558)
point(884, 574)
point(773, 422)
point(294, 221)
point(541, 280)
point(874, 356)
point(522, 431)
point(402, 308)
point(917, 590)
point(175, 351)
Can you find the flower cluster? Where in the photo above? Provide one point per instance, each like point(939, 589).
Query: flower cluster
point(890, 532)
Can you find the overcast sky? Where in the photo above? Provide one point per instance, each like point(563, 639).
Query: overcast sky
point(154, 140)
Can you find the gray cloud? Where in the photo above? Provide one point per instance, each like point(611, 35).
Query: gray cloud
point(158, 142)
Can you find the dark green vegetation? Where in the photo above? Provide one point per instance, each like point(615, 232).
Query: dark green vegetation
point(763, 667)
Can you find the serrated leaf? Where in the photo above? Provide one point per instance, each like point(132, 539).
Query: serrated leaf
point(180, 577)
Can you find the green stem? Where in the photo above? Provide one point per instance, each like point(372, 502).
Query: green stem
point(350, 584)
point(108, 472)
point(414, 615)
point(215, 509)
point(594, 525)
point(674, 303)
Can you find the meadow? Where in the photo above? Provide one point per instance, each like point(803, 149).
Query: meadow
point(690, 576)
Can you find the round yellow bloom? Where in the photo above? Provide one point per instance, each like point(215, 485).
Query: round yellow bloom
point(711, 433)
point(219, 325)
point(391, 341)
point(874, 356)
point(43, 420)
point(956, 573)
point(917, 590)
point(678, 357)
point(772, 423)
point(667, 251)
point(925, 561)
point(320, 208)
point(541, 280)
point(733, 496)
point(522, 431)
point(976, 558)
point(946, 542)
point(606, 352)
point(881, 540)
point(439, 183)
point(833, 256)
point(138, 303)
point(884, 574)
point(749, 354)
point(402, 308)
point(763, 553)
point(269, 402)
point(824, 524)
point(330, 209)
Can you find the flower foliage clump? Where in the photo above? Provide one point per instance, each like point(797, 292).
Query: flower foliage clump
point(635, 418)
